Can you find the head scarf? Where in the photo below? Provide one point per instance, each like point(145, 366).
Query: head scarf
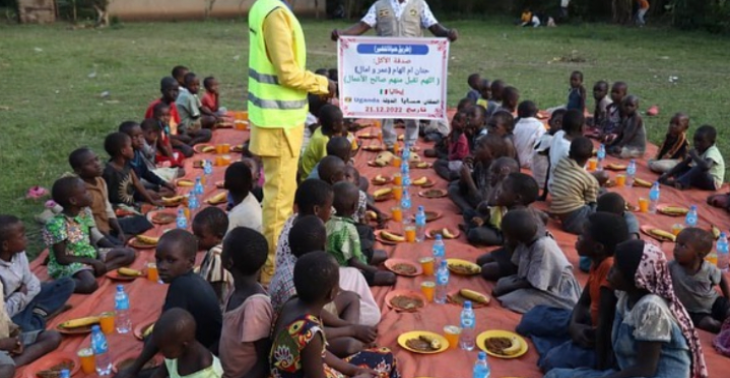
point(653, 276)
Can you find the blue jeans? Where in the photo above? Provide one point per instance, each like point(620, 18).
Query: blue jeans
point(53, 296)
point(696, 177)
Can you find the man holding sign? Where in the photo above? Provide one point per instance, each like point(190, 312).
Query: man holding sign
point(399, 18)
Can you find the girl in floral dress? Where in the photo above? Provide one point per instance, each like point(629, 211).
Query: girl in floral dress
point(299, 347)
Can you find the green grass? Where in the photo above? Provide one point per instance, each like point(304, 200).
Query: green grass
point(49, 105)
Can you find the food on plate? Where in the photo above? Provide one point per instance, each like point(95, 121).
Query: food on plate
point(127, 272)
point(406, 269)
point(55, 370)
point(444, 232)
point(382, 192)
point(163, 218)
point(149, 240)
point(424, 343)
point(218, 198)
point(390, 236)
point(616, 167)
point(642, 183)
point(474, 296)
point(422, 165)
point(148, 330)
point(661, 234)
point(207, 149)
point(464, 269)
point(80, 322)
point(420, 181)
point(383, 159)
point(406, 303)
point(504, 346)
point(434, 193)
point(674, 211)
point(185, 183)
point(172, 201)
point(380, 180)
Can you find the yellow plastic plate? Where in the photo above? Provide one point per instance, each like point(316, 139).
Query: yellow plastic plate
point(482, 337)
point(416, 334)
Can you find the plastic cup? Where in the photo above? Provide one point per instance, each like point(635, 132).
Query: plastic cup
point(219, 149)
point(677, 228)
point(106, 322)
point(592, 164)
point(452, 334)
point(428, 288)
point(240, 125)
point(396, 161)
point(396, 149)
point(426, 265)
point(411, 234)
point(397, 192)
point(186, 211)
point(152, 273)
point(226, 160)
point(643, 205)
point(88, 363)
point(397, 179)
point(397, 214)
point(621, 180)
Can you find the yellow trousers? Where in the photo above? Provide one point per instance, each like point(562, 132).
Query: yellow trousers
point(279, 150)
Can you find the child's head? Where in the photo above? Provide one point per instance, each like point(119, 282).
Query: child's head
point(475, 117)
point(510, 97)
point(490, 147)
point(626, 260)
point(170, 88)
point(12, 235)
point(573, 121)
point(322, 72)
point(576, 79)
point(238, 179)
point(519, 226)
point(178, 73)
point(314, 197)
point(581, 149)
point(161, 112)
point(70, 192)
point(517, 189)
point(497, 89)
point(601, 234)
point(211, 84)
point(254, 165)
point(330, 117)
point(464, 105)
point(308, 234)
point(501, 168)
point(210, 226)
point(600, 90)
point(611, 202)
point(119, 145)
point(347, 196)
point(85, 163)
point(629, 105)
point(244, 251)
point(316, 278)
point(501, 123)
point(618, 92)
point(331, 169)
point(693, 245)
point(527, 109)
point(704, 138)
point(486, 89)
point(192, 83)
point(151, 130)
point(556, 121)
point(175, 254)
point(333, 74)
point(340, 147)
point(316, 102)
point(458, 123)
point(678, 124)
point(174, 333)
point(475, 81)
point(352, 175)
point(135, 132)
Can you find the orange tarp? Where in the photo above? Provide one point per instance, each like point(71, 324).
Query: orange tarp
point(146, 297)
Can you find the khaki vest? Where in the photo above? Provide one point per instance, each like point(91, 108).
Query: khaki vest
point(409, 24)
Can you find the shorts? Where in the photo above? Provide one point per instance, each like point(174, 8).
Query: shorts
point(504, 259)
point(719, 311)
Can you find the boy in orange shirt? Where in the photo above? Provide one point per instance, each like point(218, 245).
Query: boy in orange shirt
point(643, 8)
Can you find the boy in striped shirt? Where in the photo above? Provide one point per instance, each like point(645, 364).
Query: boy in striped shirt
point(574, 190)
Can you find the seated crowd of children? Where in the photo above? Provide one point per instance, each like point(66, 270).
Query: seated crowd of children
point(318, 317)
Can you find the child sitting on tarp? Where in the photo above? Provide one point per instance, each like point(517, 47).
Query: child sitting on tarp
point(675, 146)
point(330, 118)
point(703, 169)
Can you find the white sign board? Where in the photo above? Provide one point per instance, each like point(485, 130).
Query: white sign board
point(398, 78)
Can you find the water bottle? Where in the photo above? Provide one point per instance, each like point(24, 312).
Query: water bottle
point(65, 373)
point(405, 172)
point(481, 367)
point(101, 352)
point(654, 198)
point(406, 153)
point(631, 173)
point(601, 156)
point(691, 219)
point(193, 202)
point(723, 257)
point(182, 222)
point(442, 283)
point(468, 327)
point(207, 167)
point(439, 251)
point(198, 188)
point(405, 201)
point(420, 224)
point(121, 306)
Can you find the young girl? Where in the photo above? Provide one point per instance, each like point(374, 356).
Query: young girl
point(653, 335)
point(632, 141)
point(298, 348)
point(577, 93)
point(458, 147)
point(209, 227)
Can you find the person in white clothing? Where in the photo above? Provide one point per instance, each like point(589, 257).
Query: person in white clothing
point(527, 132)
point(246, 211)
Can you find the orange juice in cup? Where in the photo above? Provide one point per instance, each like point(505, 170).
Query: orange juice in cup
point(396, 162)
point(397, 214)
point(88, 362)
point(218, 149)
point(620, 180)
point(152, 273)
point(226, 148)
point(218, 161)
point(411, 234)
point(677, 228)
point(397, 179)
point(643, 205)
point(427, 265)
point(225, 160)
point(186, 211)
point(592, 164)
point(452, 334)
point(428, 288)
point(396, 148)
point(106, 322)
point(397, 192)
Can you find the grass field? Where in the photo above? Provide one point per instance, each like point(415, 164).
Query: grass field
point(53, 78)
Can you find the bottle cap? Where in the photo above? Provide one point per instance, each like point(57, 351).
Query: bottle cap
point(438, 237)
point(120, 288)
point(693, 207)
point(65, 373)
point(95, 328)
point(482, 356)
point(420, 208)
point(467, 304)
point(445, 264)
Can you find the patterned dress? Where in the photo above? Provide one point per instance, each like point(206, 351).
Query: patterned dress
point(76, 233)
point(286, 360)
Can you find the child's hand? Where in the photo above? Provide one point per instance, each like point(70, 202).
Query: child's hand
point(99, 268)
point(365, 333)
point(170, 186)
point(23, 289)
point(9, 343)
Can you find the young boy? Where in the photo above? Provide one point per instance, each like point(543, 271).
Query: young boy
point(632, 141)
point(151, 136)
point(600, 112)
point(169, 149)
point(124, 186)
point(246, 211)
point(611, 128)
point(343, 240)
point(497, 90)
point(178, 73)
point(486, 95)
point(28, 302)
point(614, 203)
point(704, 168)
point(573, 121)
point(209, 227)
point(174, 337)
point(331, 120)
point(175, 258)
point(248, 314)
point(574, 191)
point(541, 153)
point(150, 179)
point(210, 103)
point(674, 148)
point(528, 131)
point(473, 185)
point(337, 146)
point(188, 104)
point(544, 276)
point(510, 100)
point(475, 91)
point(170, 89)
point(577, 94)
point(695, 280)
point(67, 235)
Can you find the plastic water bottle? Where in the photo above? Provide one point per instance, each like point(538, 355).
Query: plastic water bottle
point(193, 202)
point(439, 251)
point(723, 255)
point(406, 153)
point(442, 283)
point(207, 167)
point(405, 201)
point(420, 224)
point(601, 155)
point(65, 373)
point(121, 306)
point(468, 327)
point(481, 367)
point(631, 173)
point(405, 172)
point(101, 352)
point(691, 219)
point(654, 198)
point(198, 188)
point(181, 221)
